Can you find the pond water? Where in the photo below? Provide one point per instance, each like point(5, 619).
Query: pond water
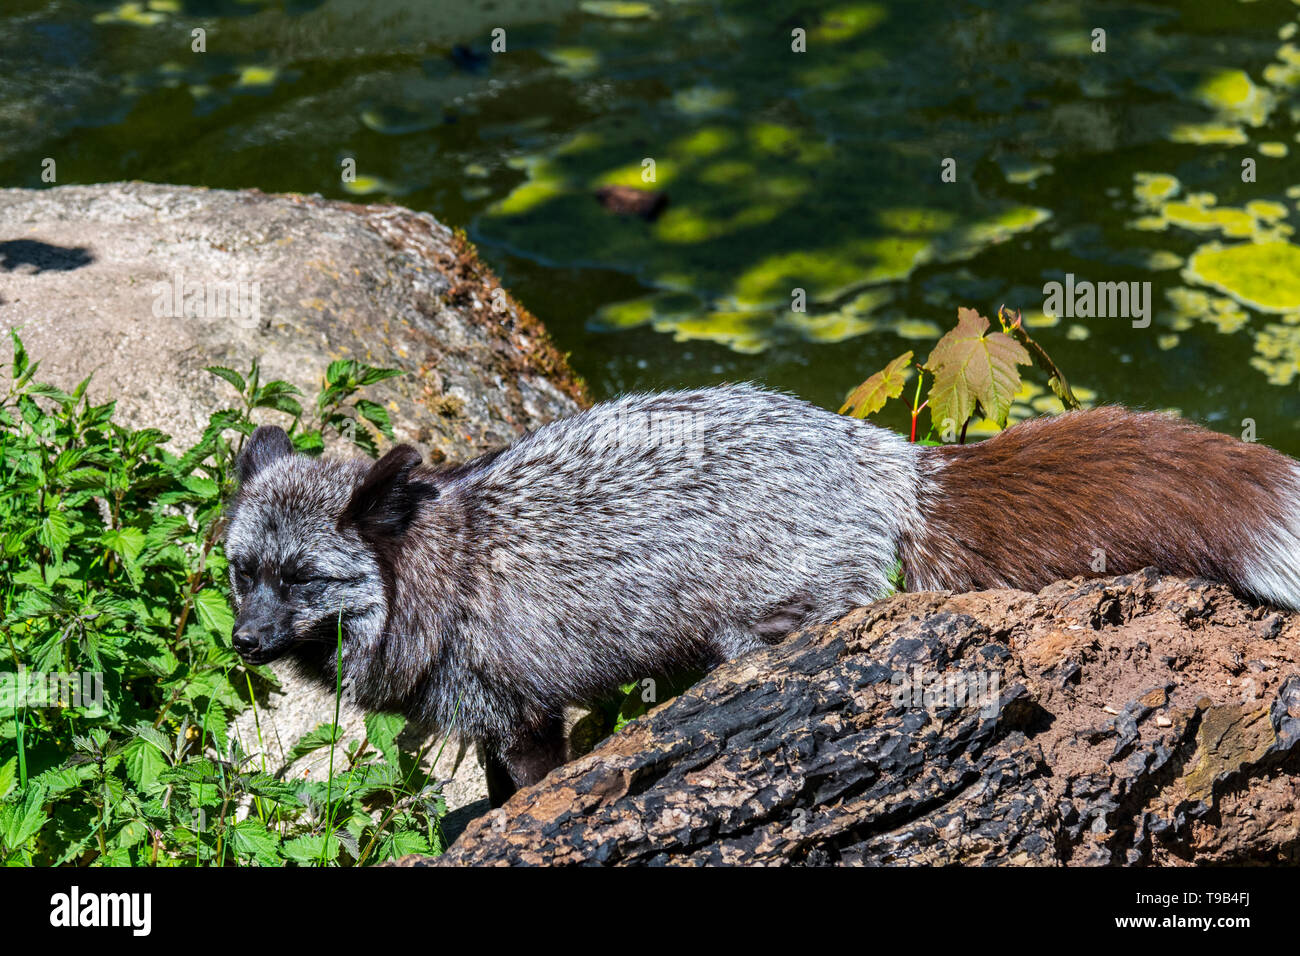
point(817, 170)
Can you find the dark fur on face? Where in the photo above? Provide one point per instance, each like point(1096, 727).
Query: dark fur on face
point(304, 557)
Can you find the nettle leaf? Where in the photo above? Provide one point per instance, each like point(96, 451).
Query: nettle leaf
point(193, 770)
point(154, 736)
point(308, 442)
point(214, 612)
point(80, 390)
point(370, 777)
point(202, 488)
point(311, 848)
point(870, 397)
point(128, 542)
point(350, 843)
point(348, 428)
point(280, 396)
point(144, 762)
point(264, 785)
point(20, 356)
point(97, 415)
point(215, 725)
point(382, 729)
point(168, 528)
point(340, 371)
point(67, 460)
point(400, 843)
point(229, 374)
point(357, 823)
point(370, 375)
point(323, 736)
point(130, 834)
point(377, 415)
point(59, 780)
point(8, 773)
point(19, 822)
point(54, 532)
point(251, 837)
point(50, 392)
point(969, 367)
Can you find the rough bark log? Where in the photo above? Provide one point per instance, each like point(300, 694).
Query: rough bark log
point(1139, 720)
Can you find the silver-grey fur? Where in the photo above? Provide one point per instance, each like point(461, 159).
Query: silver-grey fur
point(650, 533)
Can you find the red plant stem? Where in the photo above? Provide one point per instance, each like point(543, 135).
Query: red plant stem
point(916, 412)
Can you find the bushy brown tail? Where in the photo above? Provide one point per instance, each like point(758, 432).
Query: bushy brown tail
point(1106, 491)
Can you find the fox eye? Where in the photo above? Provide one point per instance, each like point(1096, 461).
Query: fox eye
point(302, 582)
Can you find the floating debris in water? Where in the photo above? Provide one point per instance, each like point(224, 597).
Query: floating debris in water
point(631, 201)
point(468, 59)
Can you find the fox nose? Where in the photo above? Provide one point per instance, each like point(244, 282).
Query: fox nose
point(247, 639)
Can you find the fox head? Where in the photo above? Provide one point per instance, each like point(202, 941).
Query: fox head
point(308, 543)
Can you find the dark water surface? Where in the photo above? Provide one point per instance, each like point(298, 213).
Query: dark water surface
point(817, 170)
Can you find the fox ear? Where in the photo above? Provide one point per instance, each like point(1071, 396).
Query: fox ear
point(266, 445)
point(386, 501)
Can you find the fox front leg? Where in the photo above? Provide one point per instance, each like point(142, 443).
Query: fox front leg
point(523, 760)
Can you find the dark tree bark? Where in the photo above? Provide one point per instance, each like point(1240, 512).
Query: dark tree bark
point(1138, 720)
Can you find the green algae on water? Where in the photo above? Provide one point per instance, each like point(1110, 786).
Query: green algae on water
point(1262, 276)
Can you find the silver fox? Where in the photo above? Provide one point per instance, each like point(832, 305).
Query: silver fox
point(679, 530)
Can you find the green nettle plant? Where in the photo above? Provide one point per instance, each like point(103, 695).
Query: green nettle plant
point(970, 369)
point(118, 682)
